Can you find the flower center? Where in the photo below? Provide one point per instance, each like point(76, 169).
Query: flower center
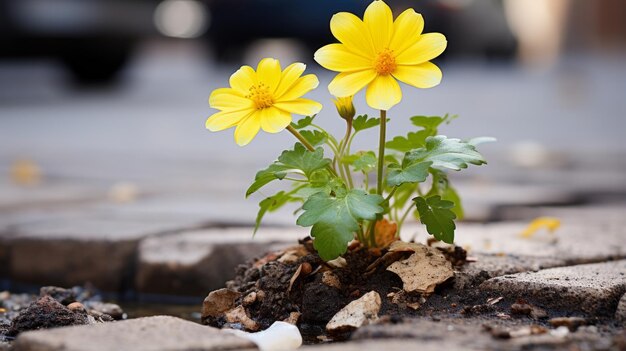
point(261, 96)
point(385, 62)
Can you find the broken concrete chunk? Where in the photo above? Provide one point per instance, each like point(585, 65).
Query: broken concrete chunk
point(356, 314)
point(239, 315)
point(218, 302)
point(423, 270)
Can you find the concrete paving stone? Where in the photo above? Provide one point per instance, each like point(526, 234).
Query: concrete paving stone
point(159, 333)
point(487, 266)
point(620, 314)
point(482, 200)
point(73, 250)
point(613, 213)
point(592, 289)
point(574, 242)
point(195, 262)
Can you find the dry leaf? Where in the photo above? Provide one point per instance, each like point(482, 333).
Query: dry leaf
point(218, 302)
point(423, 270)
point(357, 313)
point(385, 232)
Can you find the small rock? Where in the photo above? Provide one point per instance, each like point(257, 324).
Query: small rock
point(113, 310)
point(249, 299)
point(423, 270)
point(64, 296)
point(218, 302)
point(356, 314)
point(330, 279)
point(45, 313)
point(239, 315)
point(560, 332)
point(77, 307)
point(521, 307)
point(572, 323)
point(293, 318)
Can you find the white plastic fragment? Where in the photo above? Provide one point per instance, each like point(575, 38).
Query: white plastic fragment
point(280, 336)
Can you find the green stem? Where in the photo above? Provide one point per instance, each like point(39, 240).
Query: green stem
point(381, 151)
point(308, 145)
point(393, 191)
point(342, 150)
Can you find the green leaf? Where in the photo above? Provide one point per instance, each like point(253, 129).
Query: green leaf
point(331, 240)
point(271, 204)
point(299, 161)
point(363, 161)
point(446, 153)
point(438, 217)
point(315, 137)
point(426, 122)
point(303, 122)
point(413, 173)
point(441, 186)
point(412, 140)
point(403, 194)
point(363, 122)
point(481, 140)
point(343, 211)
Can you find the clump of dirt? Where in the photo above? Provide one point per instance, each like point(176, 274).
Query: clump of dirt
point(297, 282)
point(46, 313)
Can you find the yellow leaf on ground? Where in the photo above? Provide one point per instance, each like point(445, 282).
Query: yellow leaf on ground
point(25, 172)
point(549, 223)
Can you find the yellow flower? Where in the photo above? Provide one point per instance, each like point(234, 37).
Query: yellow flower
point(345, 107)
point(376, 51)
point(264, 98)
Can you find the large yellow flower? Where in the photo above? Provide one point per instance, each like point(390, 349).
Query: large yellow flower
point(264, 98)
point(377, 51)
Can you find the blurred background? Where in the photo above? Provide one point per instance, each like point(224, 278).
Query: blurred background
point(106, 99)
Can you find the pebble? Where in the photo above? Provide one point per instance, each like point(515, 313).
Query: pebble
point(572, 323)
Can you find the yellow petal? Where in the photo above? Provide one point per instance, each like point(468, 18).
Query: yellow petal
point(349, 83)
point(226, 119)
point(549, 223)
point(302, 86)
point(406, 30)
point(303, 107)
point(379, 20)
point(248, 129)
point(274, 120)
point(425, 75)
point(268, 72)
point(229, 99)
point(289, 76)
point(336, 57)
point(351, 31)
point(243, 79)
point(428, 47)
point(383, 93)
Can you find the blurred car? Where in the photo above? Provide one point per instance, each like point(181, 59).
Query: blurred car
point(473, 28)
point(93, 38)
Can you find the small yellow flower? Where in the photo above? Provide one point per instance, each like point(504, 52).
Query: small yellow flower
point(345, 107)
point(264, 98)
point(377, 50)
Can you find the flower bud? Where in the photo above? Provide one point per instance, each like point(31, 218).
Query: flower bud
point(345, 107)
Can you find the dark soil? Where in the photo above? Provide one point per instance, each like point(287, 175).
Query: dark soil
point(316, 302)
point(46, 313)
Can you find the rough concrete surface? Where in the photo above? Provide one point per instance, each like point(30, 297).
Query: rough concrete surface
point(592, 289)
point(71, 251)
point(195, 262)
point(159, 333)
